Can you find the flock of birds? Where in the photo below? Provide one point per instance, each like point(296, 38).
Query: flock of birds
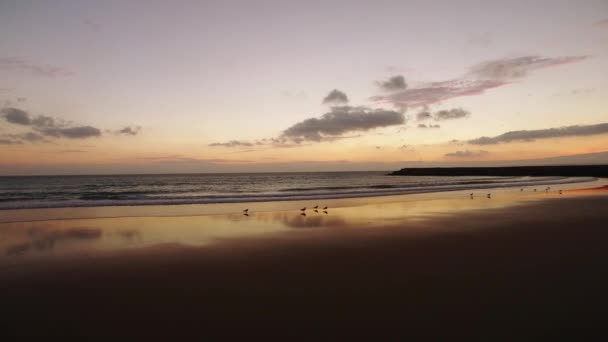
point(302, 210)
point(316, 207)
point(489, 195)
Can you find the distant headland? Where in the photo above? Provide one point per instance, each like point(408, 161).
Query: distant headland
point(543, 171)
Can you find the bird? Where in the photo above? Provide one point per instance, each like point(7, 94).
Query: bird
point(303, 214)
point(522, 189)
point(534, 190)
point(471, 194)
point(303, 209)
point(489, 195)
point(316, 207)
point(245, 214)
point(560, 192)
point(316, 211)
point(325, 208)
point(246, 211)
point(325, 212)
point(547, 189)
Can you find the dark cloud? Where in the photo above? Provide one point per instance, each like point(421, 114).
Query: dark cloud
point(335, 97)
point(79, 132)
point(25, 66)
point(451, 114)
point(342, 120)
point(480, 78)
point(43, 121)
point(512, 68)
point(47, 126)
point(428, 126)
point(530, 135)
point(16, 116)
point(10, 142)
point(467, 153)
point(129, 130)
point(393, 83)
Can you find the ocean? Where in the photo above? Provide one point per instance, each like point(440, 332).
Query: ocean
point(119, 190)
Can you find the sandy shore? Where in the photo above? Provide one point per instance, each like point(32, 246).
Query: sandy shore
point(512, 270)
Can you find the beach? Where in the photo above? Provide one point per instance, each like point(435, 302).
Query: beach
point(520, 265)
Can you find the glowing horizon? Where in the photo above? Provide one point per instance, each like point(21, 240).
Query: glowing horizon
point(273, 86)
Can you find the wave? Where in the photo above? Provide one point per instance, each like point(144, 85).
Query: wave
point(133, 198)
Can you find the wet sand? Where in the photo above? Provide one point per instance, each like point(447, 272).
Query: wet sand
point(512, 270)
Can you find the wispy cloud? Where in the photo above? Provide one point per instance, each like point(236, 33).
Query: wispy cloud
point(530, 135)
point(512, 68)
point(233, 143)
point(176, 158)
point(479, 79)
point(423, 115)
point(428, 126)
point(467, 154)
point(22, 65)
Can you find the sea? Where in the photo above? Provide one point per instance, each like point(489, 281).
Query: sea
point(18, 192)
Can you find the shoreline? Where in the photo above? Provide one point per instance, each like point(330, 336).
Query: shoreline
point(196, 209)
point(279, 197)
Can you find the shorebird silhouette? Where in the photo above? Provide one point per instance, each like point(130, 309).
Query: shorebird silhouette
point(560, 192)
point(471, 194)
point(316, 211)
point(303, 209)
point(325, 212)
point(246, 211)
point(489, 195)
point(316, 207)
point(303, 214)
point(245, 214)
point(325, 208)
point(547, 189)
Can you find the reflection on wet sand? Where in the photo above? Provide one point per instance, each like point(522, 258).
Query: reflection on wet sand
point(66, 237)
point(41, 239)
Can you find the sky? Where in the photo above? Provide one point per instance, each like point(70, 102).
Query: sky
point(95, 87)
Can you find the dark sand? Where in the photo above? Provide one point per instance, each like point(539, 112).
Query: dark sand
point(530, 272)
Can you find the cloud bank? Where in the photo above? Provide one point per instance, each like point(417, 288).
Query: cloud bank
point(342, 120)
point(530, 135)
point(43, 127)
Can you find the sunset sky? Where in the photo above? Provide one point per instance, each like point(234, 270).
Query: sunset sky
point(226, 86)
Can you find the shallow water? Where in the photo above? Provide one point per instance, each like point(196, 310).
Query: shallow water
point(42, 238)
point(95, 191)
